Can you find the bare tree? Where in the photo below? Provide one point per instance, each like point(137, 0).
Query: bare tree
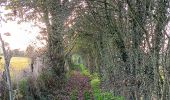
point(7, 58)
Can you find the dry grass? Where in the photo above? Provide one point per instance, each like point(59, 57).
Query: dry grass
point(16, 64)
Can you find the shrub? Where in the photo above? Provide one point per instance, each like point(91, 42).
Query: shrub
point(86, 73)
point(81, 67)
point(73, 95)
point(100, 95)
point(87, 95)
point(47, 80)
point(78, 87)
point(95, 83)
point(23, 86)
point(94, 76)
point(3, 90)
point(78, 67)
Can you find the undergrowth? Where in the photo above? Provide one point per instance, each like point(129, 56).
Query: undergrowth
point(92, 89)
point(80, 84)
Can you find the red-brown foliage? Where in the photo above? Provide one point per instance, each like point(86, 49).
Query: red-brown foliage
point(79, 83)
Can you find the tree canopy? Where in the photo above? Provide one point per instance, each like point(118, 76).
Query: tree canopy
point(125, 42)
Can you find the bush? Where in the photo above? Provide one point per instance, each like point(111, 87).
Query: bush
point(23, 86)
point(100, 95)
point(3, 90)
point(78, 86)
point(87, 95)
point(74, 95)
point(95, 84)
point(94, 76)
point(81, 67)
point(46, 80)
point(78, 67)
point(86, 73)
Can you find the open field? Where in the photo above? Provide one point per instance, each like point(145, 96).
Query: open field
point(16, 64)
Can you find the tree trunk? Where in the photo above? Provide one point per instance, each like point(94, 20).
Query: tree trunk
point(55, 39)
point(6, 67)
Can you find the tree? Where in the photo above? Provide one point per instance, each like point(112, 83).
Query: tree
point(7, 57)
point(126, 40)
point(135, 47)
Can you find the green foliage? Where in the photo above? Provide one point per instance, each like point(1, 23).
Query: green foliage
point(24, 90)
point(100, 95)
point(86, 73)
point(95, 84)
point(106, 96)
point(74, 95)
point(77, 63)
point(81, 67)
point(45, 75)
point(86, 95)
point(94, 76)
point(23, 86)
point(44, 97)
point(47, 81)
point(3, 90)
point(77, 59)
point(83, 70)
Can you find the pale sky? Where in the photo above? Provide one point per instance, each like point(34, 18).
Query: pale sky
point(21, 34)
